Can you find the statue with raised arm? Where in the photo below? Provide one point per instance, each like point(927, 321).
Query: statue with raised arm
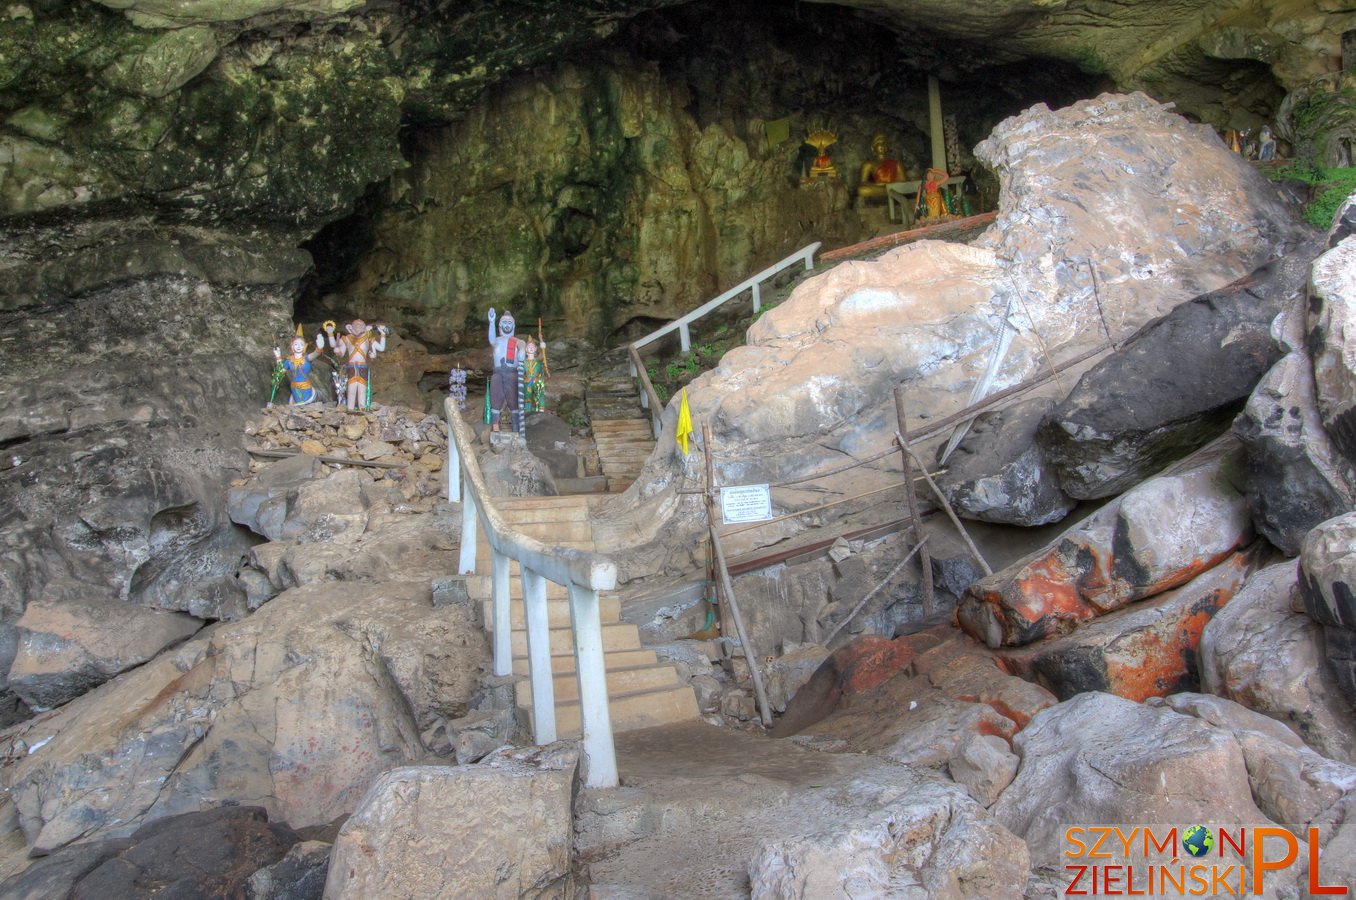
point(507, 354)
point(297, 367)
point(357, 347)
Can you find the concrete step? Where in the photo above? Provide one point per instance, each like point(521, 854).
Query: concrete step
point(557, 611)
point(620, 680)
point(564, 662)
point(616, 636)
point(633, 711)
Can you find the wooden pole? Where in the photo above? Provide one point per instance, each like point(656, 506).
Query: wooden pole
point(911, 496)
point(946, 506)
point(727, 586)
point(874, 591)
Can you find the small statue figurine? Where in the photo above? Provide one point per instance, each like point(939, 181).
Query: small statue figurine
point(534, 380)
point(822, 166)
point(1266, 144)
point(297, 367)
point(456, 386)
point(931, 198)
point(358, 347)
point(878, 172)
point(508, 353)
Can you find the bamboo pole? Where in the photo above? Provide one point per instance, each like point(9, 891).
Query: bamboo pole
point(946, 507)
point(874, 591)
point(911, 498)
point(339, 460)
point(727, 585)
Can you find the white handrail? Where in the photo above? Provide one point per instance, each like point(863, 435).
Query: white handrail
point(583, 574)
point(753, 283)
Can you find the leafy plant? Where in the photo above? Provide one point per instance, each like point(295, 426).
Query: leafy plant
point(1331, 187)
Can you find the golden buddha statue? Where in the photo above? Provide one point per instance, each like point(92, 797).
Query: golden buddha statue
point(822, 166)
point(878, 172)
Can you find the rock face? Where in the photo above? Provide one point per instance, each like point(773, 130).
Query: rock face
point(936, 843)
point(226, 845)
point(1332, 323)
point(1260, 652)
point(121, 420)
point(1174, 385)
point(1326, 580)
point(1158, 536)
point(1099, 758)
point(501, 828)
point(295, 709)
point(931, 308)
point(67, 648)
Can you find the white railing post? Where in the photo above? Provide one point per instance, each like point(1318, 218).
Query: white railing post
point(469, 518)
point(453, 471)
point(684, 339)
point(539, 656)
point(757, 299)
point(595, 720)
point(502, 627)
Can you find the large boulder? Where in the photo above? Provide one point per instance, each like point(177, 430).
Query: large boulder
point(791, 404)
point(1158, 536)
point(1175, 384)
point(498, 829)
point(935, 842)
point(67, 648)
point(1098, 758)
point(296, 709)
point(1260, 652)
point(1328, 591)
point(1331, 329)
point(1146, 649)
point(226, 847)
point(1000, 474)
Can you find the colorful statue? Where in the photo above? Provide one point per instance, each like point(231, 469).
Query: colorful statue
point(878, 172)
point(931, 198)
point(297, 367)
point(357, 347)
point(456, 386)
point(534, 379)
point(506, 387)
point(822, 166)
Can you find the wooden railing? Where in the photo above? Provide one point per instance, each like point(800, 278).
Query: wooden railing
point(649, 399)
point(582, 574)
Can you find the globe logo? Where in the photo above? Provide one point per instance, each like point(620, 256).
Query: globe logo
point(1198, 840)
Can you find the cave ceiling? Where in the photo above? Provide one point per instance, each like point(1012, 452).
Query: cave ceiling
point(278, 114)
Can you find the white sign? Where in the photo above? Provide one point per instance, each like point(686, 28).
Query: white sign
point(745, 503)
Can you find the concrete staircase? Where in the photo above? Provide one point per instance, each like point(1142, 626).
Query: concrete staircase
point(642, 692)
point(621, 430)
point(623, 446)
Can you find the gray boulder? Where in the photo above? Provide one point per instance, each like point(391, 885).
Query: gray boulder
point(1174, 385)
point(1332, 331)
point(501, 828)
point(1260, 652)
point(1328, 591)
point(998, 473)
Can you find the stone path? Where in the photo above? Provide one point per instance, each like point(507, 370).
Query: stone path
point(697, 799)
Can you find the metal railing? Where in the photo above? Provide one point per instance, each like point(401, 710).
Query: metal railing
point(649, 399)
point(582, 574)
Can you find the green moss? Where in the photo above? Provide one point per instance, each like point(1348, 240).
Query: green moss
point(1329, 188)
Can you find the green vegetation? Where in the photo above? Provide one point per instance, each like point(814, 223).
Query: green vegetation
point(1329, 189)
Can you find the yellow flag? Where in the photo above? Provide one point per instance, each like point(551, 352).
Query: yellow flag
point(684, 423)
